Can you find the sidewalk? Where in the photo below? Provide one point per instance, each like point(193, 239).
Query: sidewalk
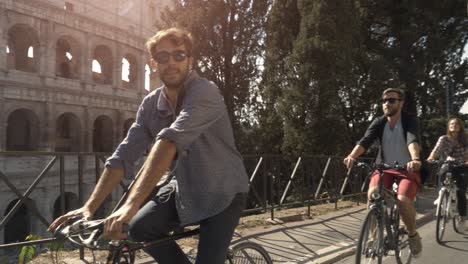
point(323, 239)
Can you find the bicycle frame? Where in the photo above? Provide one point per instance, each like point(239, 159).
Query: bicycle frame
point(379, 200)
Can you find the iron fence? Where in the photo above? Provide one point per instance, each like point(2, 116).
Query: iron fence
point(275, 181)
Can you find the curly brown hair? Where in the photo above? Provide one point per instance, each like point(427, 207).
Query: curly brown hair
point(176, 36)
point(461, 137)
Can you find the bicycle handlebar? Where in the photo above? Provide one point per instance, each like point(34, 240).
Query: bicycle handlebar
point(381, 166)
point(83, 232)
point(454, 163)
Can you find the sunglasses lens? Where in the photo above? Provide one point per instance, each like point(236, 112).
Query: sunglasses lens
point(162, 57)
point(389, 100)
point(179, 56)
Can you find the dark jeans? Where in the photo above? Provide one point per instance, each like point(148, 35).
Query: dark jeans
point(159, 216)
point(461, 175)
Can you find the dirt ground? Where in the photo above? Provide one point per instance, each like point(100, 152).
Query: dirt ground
point(247, 223)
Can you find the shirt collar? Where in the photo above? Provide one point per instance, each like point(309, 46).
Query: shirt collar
point(163, 105)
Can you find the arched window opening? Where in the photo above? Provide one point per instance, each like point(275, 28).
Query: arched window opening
point(7, 49)
point(125, 70)
point(103, 134)
point(147, 77)
point(22, 43)
point(71, 203)
point(103, 56)
point(96, 68)
point(19, 226)
point(22, 131)
point(129, 71)
point(66, 65)
point(67, 135)
point(31, 52)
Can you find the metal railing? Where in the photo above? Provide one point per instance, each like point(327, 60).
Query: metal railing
point(275, 182)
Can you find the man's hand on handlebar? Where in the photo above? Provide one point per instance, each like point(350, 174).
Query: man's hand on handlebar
point(348, 162)
point(82, 212)
point(116, 225)
point(413, 165)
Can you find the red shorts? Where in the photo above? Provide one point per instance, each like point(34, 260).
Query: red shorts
point(408, 182)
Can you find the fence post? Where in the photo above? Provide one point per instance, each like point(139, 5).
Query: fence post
point(323, 178)
point(290, 180)
point(62, 184)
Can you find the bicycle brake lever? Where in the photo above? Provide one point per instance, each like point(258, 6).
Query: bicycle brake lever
point(65, 229)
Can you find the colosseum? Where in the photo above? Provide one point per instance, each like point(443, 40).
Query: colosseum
point(72, 74)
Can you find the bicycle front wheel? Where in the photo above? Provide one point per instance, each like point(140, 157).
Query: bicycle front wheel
point(455, 226)
point(402, 250)
point(442, 216)
point(248, 253)
point(370, 244)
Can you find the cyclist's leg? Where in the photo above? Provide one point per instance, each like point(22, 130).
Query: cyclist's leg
point(408, 184)
point(387, 182)
point(154, 220)
point(461, 174)
point(216, 232)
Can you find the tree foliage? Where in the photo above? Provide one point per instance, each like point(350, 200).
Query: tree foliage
point(304, 77)
point(229, 38)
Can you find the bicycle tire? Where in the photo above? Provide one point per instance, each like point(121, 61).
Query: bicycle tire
point(248, 253)
point(370, 250)
point(402, 250)
point(119, 257)
point(442, 216)
point(455, 227)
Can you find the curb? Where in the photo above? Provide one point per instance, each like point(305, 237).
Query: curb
point(349, 251)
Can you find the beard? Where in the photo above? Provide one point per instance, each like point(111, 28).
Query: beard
point(174, 77)
point(390, 112)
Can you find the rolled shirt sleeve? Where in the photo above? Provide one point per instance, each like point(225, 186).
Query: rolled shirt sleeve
point(372, 133)
point(412, 130)
point(134, 144)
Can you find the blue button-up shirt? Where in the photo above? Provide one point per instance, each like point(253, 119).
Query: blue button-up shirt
point(209, 170)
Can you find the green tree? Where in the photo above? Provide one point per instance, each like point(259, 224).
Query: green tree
point(229, 37)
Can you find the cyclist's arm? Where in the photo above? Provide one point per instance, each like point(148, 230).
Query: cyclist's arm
point(109, 179)
point(415, 163)
point(160, 158)
point(357, 151)
point(439, 147)
point(156, 165)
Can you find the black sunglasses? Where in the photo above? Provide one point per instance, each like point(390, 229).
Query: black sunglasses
point(164, 56)
point(389, 100)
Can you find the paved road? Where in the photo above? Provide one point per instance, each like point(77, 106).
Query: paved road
point(455, 249)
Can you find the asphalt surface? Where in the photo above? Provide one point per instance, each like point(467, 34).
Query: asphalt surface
point(454, 248)
point(324, 239)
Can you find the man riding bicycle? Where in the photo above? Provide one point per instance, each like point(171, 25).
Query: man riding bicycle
point(188, 123)
point(398, 135)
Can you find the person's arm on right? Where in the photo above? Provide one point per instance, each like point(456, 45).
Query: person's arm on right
point(438, 148)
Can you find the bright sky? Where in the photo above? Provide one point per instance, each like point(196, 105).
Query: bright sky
point(464, 109)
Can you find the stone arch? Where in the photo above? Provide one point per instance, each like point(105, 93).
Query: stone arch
point(23, 44)
point(19, 226)
point(22, 131)
point(67, 54)
point(103, 134)
point(127, 124)
point(102, 54)
point(71, 203)
point(67, 133)
point(129, 71)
